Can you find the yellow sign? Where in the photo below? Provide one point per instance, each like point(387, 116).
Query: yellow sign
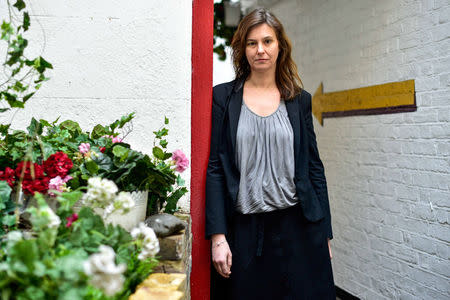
point(385, 98)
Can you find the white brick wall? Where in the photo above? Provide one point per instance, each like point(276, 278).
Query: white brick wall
point(113, 57)
point(388, 175)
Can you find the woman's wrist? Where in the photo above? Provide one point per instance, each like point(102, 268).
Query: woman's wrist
point(217, 244)
point(218, 239)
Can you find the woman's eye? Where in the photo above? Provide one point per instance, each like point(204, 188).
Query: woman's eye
point(268, 41)
point(250, 43)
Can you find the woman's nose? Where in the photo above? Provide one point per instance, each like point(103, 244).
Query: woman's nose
point(260, 48)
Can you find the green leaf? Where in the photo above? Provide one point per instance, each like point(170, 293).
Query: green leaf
point(5, 191)
point(180, 181)
point(125, 119)
point(172, 200)
point(98, 131)
point(9, 220)
point(26, 21)
point(18, 86)
point(40, 64)
point(27, 97)
point(7, 30)
point(12, 100)
point(4, 129)
point(166, 120)
point(4, 109)
point(163, 143)
point(72, 126)
point(160, 133)
point(158, 153)
point(16, 50)
point(92, 167)
point(167, 155)
point(24, 254)
point(44, 123)
point(103, 161)
point(19, 5)
point(35, 127)
point(56, 121)
point(120, 152)
point(68, 199)
point(120, 123)
point(47, 238)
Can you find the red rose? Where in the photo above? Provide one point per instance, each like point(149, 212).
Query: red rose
point(9, 176)
point(58, 164)
point(102, 149)
point(30, 187)
point(37, 173)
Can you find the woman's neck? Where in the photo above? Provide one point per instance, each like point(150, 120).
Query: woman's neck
point(261, 80)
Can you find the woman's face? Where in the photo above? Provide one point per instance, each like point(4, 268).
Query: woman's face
point(262, 48)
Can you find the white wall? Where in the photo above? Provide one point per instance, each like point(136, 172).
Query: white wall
point(388, 175)
point(223, 70)
point(113, 57)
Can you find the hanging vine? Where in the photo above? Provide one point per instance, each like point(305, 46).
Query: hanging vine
point(22, 76)
point(221, 31)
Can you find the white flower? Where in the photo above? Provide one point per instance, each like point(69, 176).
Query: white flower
point(108, 210)
point(13, 237)
point(47, 213)
point(100, 193)
point(150, 243)
point(124, 202)
point(104, 272)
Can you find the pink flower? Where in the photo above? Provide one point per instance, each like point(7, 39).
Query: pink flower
point(114, 139)
point(71, 219)
point(84, 148)
point(180, 160)
point(58, 184)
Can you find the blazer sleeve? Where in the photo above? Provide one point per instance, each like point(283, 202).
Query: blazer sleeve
point(215, 191)
point(316, 169)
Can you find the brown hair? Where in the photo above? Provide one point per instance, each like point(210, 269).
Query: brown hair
point(286, 76)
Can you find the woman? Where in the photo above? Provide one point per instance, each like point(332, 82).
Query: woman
point(267, 210)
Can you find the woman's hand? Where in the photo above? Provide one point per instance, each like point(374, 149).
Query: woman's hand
point(221, 255)
point(329, 248)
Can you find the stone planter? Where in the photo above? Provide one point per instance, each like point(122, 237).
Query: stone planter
point(130, 219)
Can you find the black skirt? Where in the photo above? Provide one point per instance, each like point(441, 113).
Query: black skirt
point(276, 255)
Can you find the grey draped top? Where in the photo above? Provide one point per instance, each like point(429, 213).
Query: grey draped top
point(265, 158)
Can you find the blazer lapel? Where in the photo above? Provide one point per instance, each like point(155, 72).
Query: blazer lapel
point(234, 110)
point(292, 108)
point(298, 126)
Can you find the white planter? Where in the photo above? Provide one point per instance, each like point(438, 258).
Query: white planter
point(130, 219)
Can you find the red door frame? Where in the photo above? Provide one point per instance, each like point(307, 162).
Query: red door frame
point(201, 97)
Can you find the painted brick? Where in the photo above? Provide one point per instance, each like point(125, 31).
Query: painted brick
point(420, 243)
point(440, 232)
point(388, 175)
point(429, 262)
point(402, 253)
point(441, 198)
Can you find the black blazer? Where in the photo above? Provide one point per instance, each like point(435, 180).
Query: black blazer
point(222, 177)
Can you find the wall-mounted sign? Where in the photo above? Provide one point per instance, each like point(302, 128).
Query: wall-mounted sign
point(385, 98)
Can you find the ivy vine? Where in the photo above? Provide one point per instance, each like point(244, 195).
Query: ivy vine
point(221, 30)
point(23, 76)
